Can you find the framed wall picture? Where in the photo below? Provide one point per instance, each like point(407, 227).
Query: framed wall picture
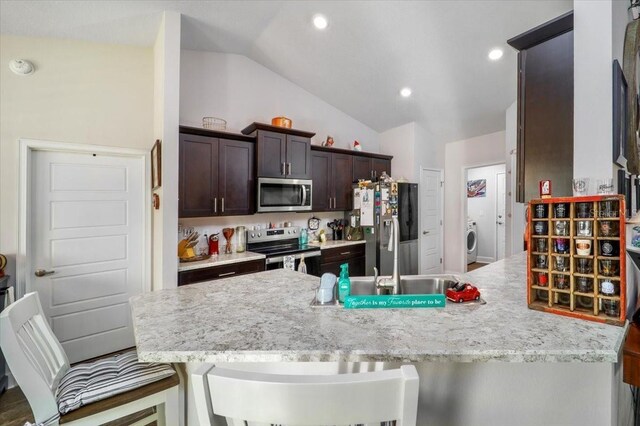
point(156, 165)
point(620, 114)
point(476, 188)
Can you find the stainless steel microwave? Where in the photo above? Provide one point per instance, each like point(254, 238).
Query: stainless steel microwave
point(283, 195)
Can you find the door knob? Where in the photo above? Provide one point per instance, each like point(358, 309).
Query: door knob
point(425, 232)
point(42, 272)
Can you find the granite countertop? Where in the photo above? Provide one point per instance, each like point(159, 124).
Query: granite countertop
point(267, 317)
point(335, 243)
point(221, 259)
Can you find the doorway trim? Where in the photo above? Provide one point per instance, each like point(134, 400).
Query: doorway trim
point(26, 149)
point(441, 213)
point(465, 206)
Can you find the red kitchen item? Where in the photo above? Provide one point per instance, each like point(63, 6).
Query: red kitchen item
point(213, 244)
point(462, 292)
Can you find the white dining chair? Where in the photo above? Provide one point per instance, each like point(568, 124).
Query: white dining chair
point(253, 397)
point(85, 394)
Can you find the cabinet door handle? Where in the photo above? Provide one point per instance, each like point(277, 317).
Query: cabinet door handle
point(282, 169)
point(345, 253)
point(222, 204)
point(226, 274)
point(289, 172)
point(334, 202)
point(215, 205)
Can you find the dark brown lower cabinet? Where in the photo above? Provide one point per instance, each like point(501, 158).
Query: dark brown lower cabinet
point(354, 255)
point(219, 272)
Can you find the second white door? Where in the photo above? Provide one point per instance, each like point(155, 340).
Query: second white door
point(430, 222)
point(87, 252)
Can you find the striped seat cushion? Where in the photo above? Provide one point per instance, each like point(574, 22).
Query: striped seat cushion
point(91, 382)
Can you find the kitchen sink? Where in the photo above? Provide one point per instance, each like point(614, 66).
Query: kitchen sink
point(409, 284)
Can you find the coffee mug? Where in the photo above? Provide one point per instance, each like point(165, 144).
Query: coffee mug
point(584, 284)
point(561, 282)
point(561, 245)
point(541, 261)
point(562, 263)
point(584, 228)
point(609, 267)
point(583, 247)
point(540, 228)
point(562, 228)
point(541, 211)
point(541, 245)
point(609, 248)
point(561, 210)
point(542, 279)
point(583, 210)
point(607, 288)
point(584, 266)
point(608, 228)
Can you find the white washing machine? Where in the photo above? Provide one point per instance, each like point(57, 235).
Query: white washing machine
point(472, 241)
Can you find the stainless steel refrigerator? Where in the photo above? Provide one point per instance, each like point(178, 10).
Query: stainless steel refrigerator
point(399, 199)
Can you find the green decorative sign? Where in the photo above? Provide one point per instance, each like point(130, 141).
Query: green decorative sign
point(399, 301)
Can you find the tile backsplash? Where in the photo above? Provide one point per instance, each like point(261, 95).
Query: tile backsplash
point(212, 225)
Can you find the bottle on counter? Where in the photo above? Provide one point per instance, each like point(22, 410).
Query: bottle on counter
point(241, 239)
point(302, 267)
point(344, 283)
point(304, 237)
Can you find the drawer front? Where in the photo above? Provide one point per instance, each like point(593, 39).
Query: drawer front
point(219, 272)
point(356, 267)
point(342, 253)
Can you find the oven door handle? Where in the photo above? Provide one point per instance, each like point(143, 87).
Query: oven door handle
point(304, 195)
point(278, 259)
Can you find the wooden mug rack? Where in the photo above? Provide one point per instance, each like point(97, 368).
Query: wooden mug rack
point(594, 288)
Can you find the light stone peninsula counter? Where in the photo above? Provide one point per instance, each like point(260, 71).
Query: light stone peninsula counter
point(267, 317)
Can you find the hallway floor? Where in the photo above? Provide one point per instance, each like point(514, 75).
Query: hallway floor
point(475, 265)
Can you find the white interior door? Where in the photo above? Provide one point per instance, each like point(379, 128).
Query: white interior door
point(501, 197)
point(431, 222)
point(87, 232)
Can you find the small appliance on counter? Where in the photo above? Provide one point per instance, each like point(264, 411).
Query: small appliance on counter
point(278, 243)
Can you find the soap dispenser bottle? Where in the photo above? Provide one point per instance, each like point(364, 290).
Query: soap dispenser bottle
point(344, 283)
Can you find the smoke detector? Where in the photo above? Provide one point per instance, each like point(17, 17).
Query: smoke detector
point(21, 67)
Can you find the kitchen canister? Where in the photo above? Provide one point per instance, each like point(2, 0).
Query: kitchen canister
point(583, 247)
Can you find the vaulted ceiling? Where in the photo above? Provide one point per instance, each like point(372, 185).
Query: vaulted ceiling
point(358, 64)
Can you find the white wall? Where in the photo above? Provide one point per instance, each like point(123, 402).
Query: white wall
point(478, 151)
point(412, 147)
point(516, 220)
point(483, 210)
point(401, 142)
point(81, 92)
point(166, 80)
point(241, 91)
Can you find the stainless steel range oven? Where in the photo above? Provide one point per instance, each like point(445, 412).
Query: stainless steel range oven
point(277, 243)
point(283, 195)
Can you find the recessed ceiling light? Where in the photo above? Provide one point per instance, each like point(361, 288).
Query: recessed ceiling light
point(405, 92)
point(495, 54)
point(320, 22)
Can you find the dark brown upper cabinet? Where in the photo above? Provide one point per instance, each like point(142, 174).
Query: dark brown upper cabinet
point(370, 167)
point(216, 173)
point(281, 152)
point(545, 108)
point(332, 181)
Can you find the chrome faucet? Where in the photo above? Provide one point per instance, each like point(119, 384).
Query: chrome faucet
point(391, 285)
